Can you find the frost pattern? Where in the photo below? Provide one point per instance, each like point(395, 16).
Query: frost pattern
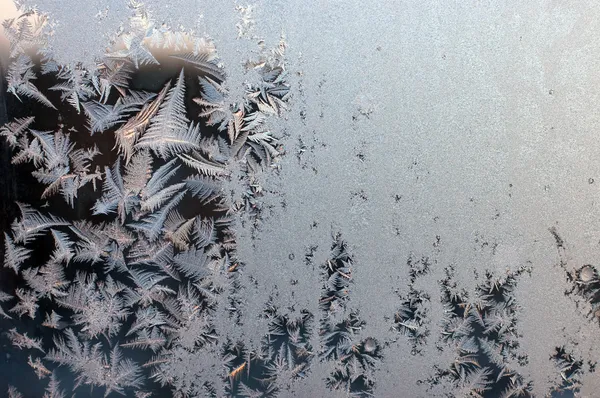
point(141, 285)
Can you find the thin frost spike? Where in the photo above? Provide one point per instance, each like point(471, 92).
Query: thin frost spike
point(152, 224)
point(201, 187)
point(202, 165)
point(22, 341)
point(14, 130)
point(33, 224)
point(203, 61)
point(63, 251)
point(127, 135)
point(138, 172)
point(169, 132)
point(120, 373)
point(156, 201)
point(160, 178)
point(14, 255)
point(13, 393)
point(53, 390)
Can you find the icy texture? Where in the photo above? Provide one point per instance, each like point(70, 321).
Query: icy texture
point(443, 143)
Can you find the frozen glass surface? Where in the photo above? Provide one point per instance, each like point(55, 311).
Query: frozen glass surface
point(300, 198)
